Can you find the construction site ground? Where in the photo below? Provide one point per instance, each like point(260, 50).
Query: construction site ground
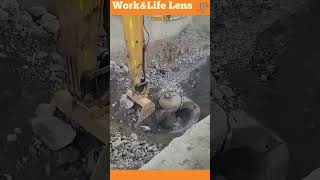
point(177, 64)
point(255, 65)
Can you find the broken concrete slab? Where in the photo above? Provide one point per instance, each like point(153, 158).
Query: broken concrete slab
point(189, 151)
point(54, 132)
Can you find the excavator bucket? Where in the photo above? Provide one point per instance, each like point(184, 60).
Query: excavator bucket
point(147, 106)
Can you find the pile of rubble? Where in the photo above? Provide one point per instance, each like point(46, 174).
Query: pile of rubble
point(29, 37)
point(130, 152)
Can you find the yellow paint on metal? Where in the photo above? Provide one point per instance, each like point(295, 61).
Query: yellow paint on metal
point(130, 23)
point(82, 5)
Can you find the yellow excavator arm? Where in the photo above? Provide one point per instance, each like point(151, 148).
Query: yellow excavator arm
point(134, 40)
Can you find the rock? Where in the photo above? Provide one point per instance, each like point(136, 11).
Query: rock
point(125, 102)
point(41, 55)
point(56, 68)
point(52, 27)
point(57, 58)
point(45, 109)
point(26, 19)
point(117, 143)
point(54, 132)
point(145, 128)
point(17, 131)
point(37, 11)
point(12, 138)
point(47, 17)
point(3, 56)
point(264, 77)
point(227, 91)
point(3, 15)
point(134, 136)
point(170, 103)
point(217, 94)
point(125, 68)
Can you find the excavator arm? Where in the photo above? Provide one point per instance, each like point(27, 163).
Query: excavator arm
point(134, 41)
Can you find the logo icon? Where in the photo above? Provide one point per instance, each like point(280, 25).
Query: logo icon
point(203, 6)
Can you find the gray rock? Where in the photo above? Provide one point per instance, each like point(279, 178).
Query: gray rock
point(26, 19)
point(217, 94)
point(37, 11)
point(117, 143)
point(170, 103)
point(227, 91)
point(12, 138)
point(145, 128)
point(125, 68)
point(56, 68)
point(41, 55)
point(52, 27)
point(264, 77)
point(134, 136)
point(57, 58)
point(54, 132)
point(45, 109)
point(125, 102)
point(47, 17)
point(17, 131)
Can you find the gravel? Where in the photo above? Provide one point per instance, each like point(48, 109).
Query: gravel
point(129, 152)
